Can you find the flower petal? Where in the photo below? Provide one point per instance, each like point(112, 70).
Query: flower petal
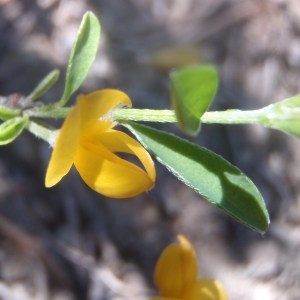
point(108, 174)
point(206, 289)
point(97, 104)
point(117, 141)
point(176, 268)
point(168, 272)
point(189, 260)
point(64, 150)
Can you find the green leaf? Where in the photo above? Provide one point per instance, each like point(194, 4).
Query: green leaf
point(82, 55)
point(284, 116)
point(8, 113)
point(210, 175)
point(44, 85)
point(11, 129)
point(192, 91)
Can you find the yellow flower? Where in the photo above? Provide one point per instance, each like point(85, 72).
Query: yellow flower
point(175, 275)
point(87, 140)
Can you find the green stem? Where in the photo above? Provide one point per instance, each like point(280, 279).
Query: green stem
point(48, 112)
point(147, 115)
point(231, 116)
point(43, 132)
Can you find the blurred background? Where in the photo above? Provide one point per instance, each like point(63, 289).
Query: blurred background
point(68, 242)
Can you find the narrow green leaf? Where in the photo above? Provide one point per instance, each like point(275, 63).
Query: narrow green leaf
point(210, 175)
point(82, 55)
point(8, 113)
point(11, 129)
point(192, 91)
point(44, 85)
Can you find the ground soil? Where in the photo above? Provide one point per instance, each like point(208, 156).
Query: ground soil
point(70, 243)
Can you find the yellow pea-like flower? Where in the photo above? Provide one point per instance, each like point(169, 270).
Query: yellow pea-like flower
point(88, 140)
point(175, 275)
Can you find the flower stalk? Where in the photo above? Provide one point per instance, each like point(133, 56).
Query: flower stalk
point(48, 112)
point(43, 132)
point(122, 115)
point(231, 116)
